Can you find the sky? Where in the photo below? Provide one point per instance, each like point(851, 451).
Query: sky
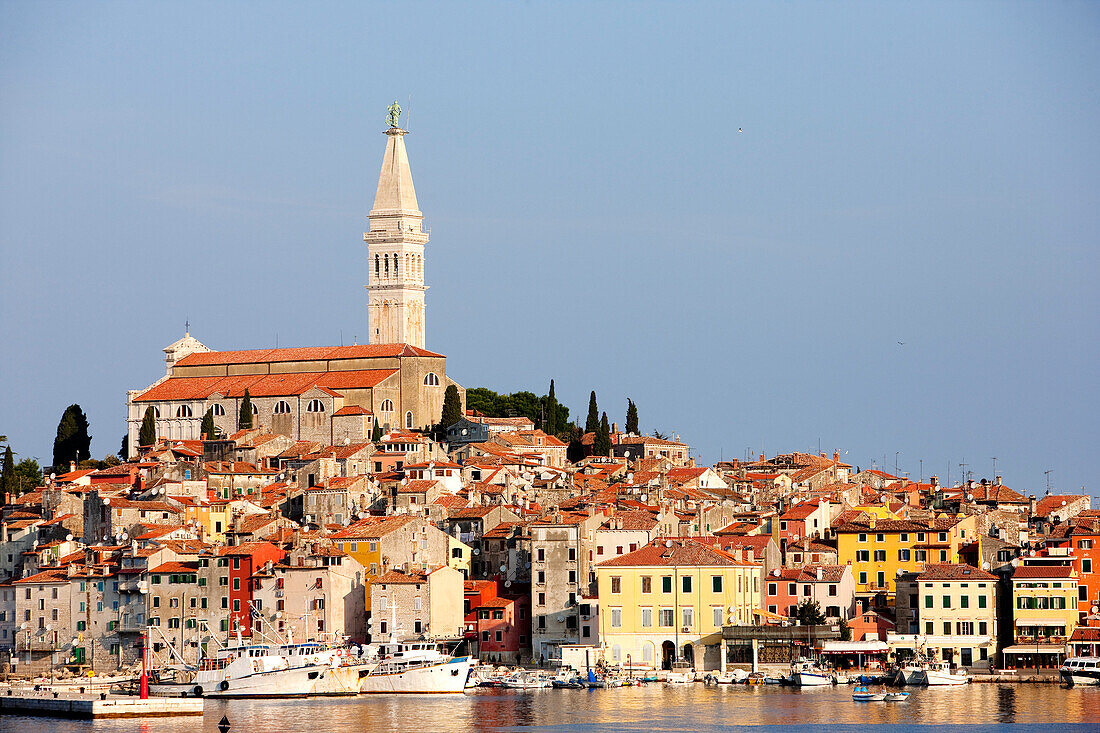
point(864, 227)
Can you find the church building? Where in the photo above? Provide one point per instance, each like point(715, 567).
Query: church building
point(328, 394)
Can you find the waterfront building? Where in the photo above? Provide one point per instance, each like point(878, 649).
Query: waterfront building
point(669, 601)
point(403, 541)
point(417, 603)
point(949, 611)
point(561, 551)
point(1044, 614)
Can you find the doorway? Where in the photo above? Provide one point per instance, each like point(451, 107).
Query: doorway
point(668, 654)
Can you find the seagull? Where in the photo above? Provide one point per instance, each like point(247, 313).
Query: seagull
point(901, 343)
point(739, 129)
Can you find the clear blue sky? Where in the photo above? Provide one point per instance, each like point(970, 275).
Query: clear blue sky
point(919, 172)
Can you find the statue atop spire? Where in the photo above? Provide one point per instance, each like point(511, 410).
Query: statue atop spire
point(394, 113)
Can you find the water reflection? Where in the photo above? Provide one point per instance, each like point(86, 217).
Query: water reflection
point(649, 709)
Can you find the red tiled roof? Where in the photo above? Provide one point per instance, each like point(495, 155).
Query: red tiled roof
point(1043, 571)
point(1052, 503)
point(176, 567)
point(307, 353)
point(676, 552)
point(952, 571)
point(262, 385)
point(351, 410)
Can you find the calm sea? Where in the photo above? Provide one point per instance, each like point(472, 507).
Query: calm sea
point(973, 708)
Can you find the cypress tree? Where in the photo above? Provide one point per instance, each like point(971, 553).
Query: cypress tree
point(632, 417)
point(552, 427)
point(148, 433)
point(206, 432)
point(452, 407)
point(376, 434)
point(72, 442)
point(244, 418)
point(7, 476)
point(593, 421)
point(602, 445)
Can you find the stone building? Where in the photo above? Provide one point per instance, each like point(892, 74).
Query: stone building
point(417, 605)
point(561, 562)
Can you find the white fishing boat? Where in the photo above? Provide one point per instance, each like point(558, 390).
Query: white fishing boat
point(896, 696)
point(912, 674)
point(525, 680)
point(805, 673)
point(412, 667)
point(940, 674)
point(1080, 671)
point(729, 677)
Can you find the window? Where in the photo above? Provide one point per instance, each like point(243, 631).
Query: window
point(862, 577)
point(315, 406)
point(832, 590)
point(688, 617)
point(431, 379)
point(647, 584)
point(408, 419)
point(964, 601)
point(863, 555)
point(236, 583)
point(686, 585)
point(282, 407)
point(666, 617)
point(1086, 564)
point(772, 589)
point(792, 589)
point(929, 628)
point(542, 599)
point(880, 555)
point(183, 411)
point(947, 601)
point(982, 628)
point(716, 616)
point(947, 628)
point(666, 585)
point(862, 537)
point(647, 618)
point(716, 583)
point(387, 406)
point(880, 538)
point(904, 555)
point(616, 584)
point(616, 618)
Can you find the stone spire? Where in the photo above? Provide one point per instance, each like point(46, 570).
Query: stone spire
point(395, 249)
point(395, 194)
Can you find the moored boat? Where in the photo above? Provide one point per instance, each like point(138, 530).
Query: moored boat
point(805, 673)
point(862, 694)
point(939, 674)
point(1080, 671)
point(896, 696)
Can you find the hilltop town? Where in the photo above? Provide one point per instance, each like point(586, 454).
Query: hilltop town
point(351, 494)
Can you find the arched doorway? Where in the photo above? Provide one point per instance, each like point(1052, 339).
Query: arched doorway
point(689, 654)
point(668, 654)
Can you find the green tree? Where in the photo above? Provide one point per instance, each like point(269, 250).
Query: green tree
point(72, 442)
point(124, 451)
point(593, 421)
point(483, 400)
point(7, 475)
point(376, 434)
point(206, 432)
point(809, 613)
point(632, 417)
point(452, 407)
point(244, 417)
point(602, 444)
point(575, 450)
point(845, 630)
point(28, 475)
point(148, 434)
point(550, 411)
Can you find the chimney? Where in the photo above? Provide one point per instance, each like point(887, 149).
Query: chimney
point(934, 481)
point(761, 457)
point(72, 466)
point(859, 608)
point(614, 427)
point(931, 519)
point(997, 481)
point(871, 525)
point(1032, 505)
point(820, 573)
point(836, 456)
point(691, 462)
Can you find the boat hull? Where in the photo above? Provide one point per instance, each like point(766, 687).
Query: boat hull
point(807, 679)
point(944, 679)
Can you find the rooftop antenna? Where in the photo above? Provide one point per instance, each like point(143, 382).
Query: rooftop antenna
point(341, 337)
point(187, 328)
point(994, 468)
point(965, 473)
point(1048, 472)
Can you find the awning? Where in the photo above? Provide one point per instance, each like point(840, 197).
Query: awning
point(1042, 622)
point(854, 647)
point(1035, 648)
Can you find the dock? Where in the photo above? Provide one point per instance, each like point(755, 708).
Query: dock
point(60, 703)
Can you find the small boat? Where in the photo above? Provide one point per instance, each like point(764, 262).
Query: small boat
point(756, 678)
point(840, 678)
point(526, 681)
point(862, 694)
point(805, 673)
point(681, 673)
point(773, 680)
point(912, 674)
point(939, 674)
point(896, 696)
point(1080, 671)
point(570, 684)
point(729, 677)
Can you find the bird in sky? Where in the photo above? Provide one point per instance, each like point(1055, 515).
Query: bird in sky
point(739, 129)
point(901, 343)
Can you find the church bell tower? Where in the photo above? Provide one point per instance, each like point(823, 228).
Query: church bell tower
point(395, 249)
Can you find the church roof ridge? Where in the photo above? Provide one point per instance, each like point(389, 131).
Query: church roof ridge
point(303, 353)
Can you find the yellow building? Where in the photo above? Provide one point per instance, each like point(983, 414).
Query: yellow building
point(1044, 614)
point(879, 548)
point(214, 517)
point(669, 600)
point(948, 611)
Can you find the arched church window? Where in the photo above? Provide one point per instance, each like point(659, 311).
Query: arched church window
point(156, 412)
point(395, 264)
point(219, 411)
point(183, 411)
point(255, 410)
point(377, 265)
point(282, 407)
point(315, 406)
point(386, 260)
point(431, 379)
point(387, 406)
point(408, 419)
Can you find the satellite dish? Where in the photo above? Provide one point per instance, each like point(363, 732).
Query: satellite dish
point(528, 565)
point(776, 572)
point(347, 441)
point(125, 537)
point(668, 543)
point(278, 614)
point(561, 619)
point(477, 551)
point(503, 568)
point(53, 476)
point(733, 609)
point(107, 501)
point(986, 565)
point(507, 584)
point(68, 538)
point(1063, 502)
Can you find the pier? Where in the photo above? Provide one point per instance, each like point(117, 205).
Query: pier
point(61, 703)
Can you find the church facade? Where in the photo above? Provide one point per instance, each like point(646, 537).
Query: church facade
point(325, 394)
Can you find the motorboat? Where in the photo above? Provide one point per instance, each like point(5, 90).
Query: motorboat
point(524, 680)
point(756, 678)
point(729, 677)
point(940, 674)
point(914, 673)
point(681, 673)
point(806, 673)
point(1080, 671)
point(841, 678)
point(862, 694)
point(896, 696)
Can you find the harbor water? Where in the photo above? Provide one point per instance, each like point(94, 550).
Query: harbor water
point(656, 707)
